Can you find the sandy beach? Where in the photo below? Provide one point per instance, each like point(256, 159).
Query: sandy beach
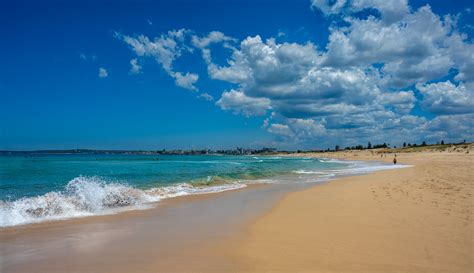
point(416, 219)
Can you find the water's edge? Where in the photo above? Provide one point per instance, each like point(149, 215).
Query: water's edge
point(92, 196)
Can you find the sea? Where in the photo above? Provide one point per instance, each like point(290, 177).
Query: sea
point(38, 188)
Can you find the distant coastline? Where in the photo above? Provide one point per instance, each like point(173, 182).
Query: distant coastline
point(237, 151)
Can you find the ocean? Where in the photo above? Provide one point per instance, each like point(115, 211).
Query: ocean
point(37, 188)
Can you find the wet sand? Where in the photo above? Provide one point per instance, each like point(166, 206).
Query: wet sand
point(170, 237)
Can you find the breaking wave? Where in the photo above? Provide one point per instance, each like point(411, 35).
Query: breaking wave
point(87, 196)
point(308, 172)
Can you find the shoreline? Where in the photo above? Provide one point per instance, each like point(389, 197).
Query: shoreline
point(404, 220)
point(169, 230)
point(310, 177)
point(266, 238)
point(134, 212)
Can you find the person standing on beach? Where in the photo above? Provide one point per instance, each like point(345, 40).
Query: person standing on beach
point(395, 160)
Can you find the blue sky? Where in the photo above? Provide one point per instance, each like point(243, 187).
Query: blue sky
point(289, 74)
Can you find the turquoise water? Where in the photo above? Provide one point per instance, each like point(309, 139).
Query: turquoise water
point(36, 175)
point(51, 187)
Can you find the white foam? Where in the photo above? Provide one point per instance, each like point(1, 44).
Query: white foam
point(307, 172)
point(333, 160)
point(271, 157)
point(203, 162)
point(354, 168)
point(360, 168)
point(87, 196)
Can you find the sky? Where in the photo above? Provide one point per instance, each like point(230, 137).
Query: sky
point(299, 74)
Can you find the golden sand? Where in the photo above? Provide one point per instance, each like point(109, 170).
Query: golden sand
point(417, 219)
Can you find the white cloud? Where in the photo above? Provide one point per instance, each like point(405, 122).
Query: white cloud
point(103, 73)
point(446, 98)
point(239, 103)
point(212, 37)
point(186, 81)
point(291, 78)
point(355, 89)
point(452, 128)
point(462, 53)
point(202, 43)
point(402, 102)
point(307, 128)
point(299, 83)
point(328, 7)
point(165, 49)
point(280, 130)
point(206, 96)
point(135, 67)
point(412, 47)
point(257, 63)
point(391, 10)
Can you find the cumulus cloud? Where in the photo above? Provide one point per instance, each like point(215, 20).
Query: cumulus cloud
point(328, 7)
point(211, 38)
point(364, 84)
point(280, 130)
point(185, 80)
point(412, 47)
point(165, 49)
point(135, 67)
point(240, 103)
point(390, 10)
point(305, 129)
point(206, 96)
point(296, 85)
point(358, 83)
point(402, 102)
point(447, 98)
point(103, 73)
point(450, 127)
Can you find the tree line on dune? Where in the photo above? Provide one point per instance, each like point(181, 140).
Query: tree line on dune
point(387, 145)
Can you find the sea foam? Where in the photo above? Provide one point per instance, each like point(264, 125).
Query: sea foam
point(87, 196)
point(92, 195)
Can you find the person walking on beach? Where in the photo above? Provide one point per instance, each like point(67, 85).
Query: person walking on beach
point(395, 160)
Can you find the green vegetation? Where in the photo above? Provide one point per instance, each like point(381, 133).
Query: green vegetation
point(433, 147)
point(406, 147)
